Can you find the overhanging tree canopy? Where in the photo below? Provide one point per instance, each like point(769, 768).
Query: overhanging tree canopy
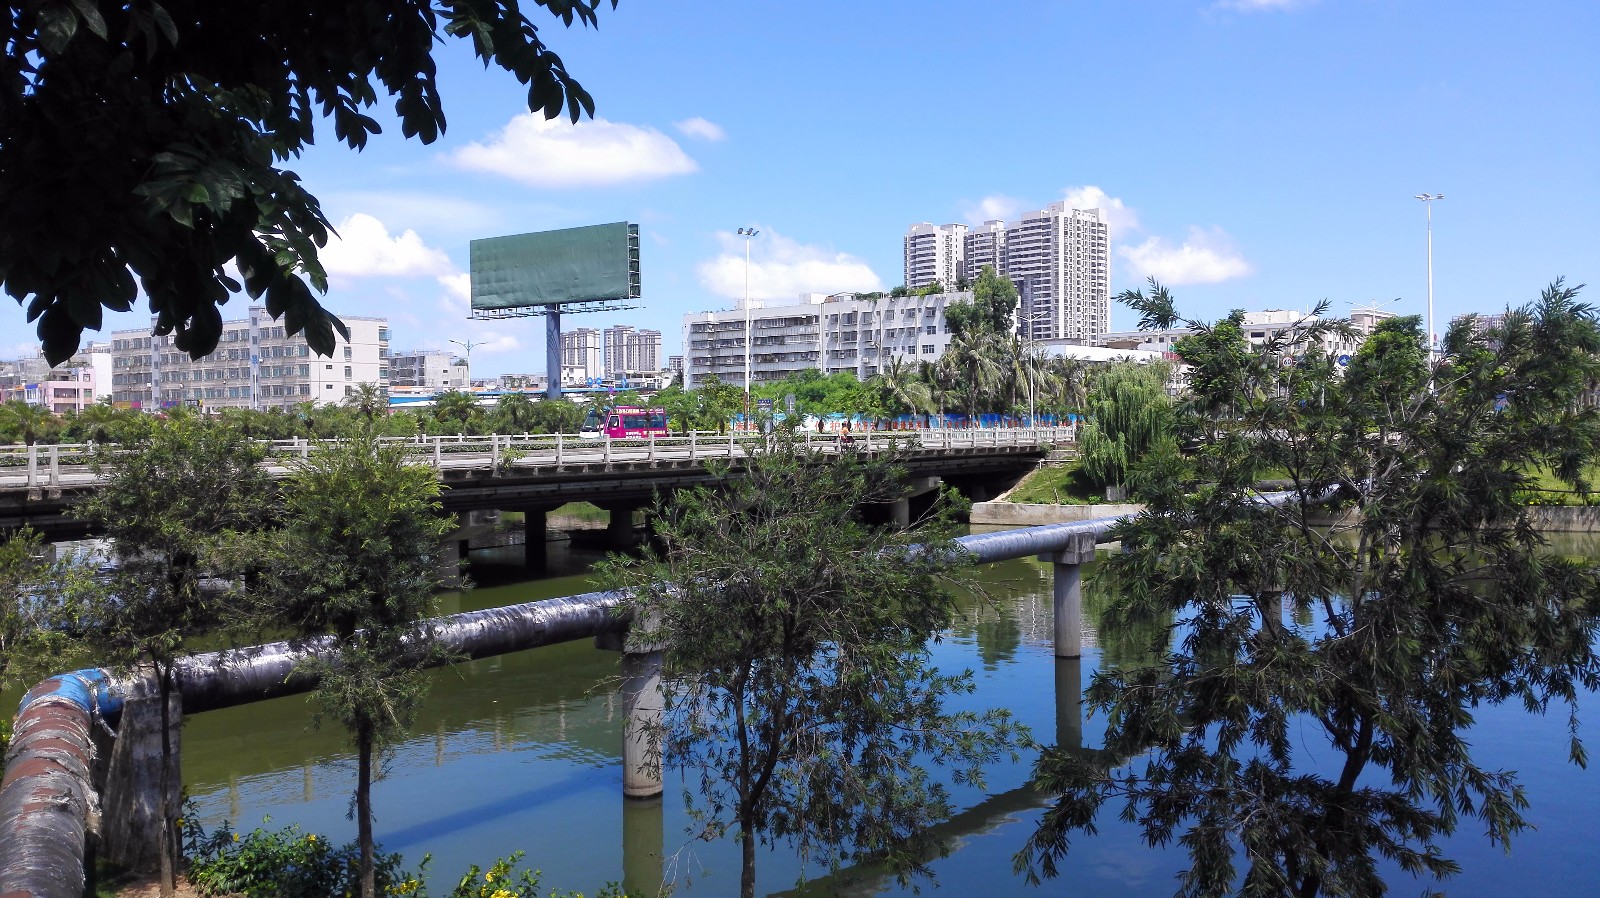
point(143, 142)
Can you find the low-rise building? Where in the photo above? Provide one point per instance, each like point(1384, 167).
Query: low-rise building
point(428, 368)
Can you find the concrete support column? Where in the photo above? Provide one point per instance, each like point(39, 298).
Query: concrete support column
point(619, 530)
point(900, 513)
point(450, 564)
point(1067, 591)
point(535, 539)
point(131, 825)
point(643, 706)
point(641, 739)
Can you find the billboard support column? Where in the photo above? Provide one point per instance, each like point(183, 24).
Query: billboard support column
point(552, 352)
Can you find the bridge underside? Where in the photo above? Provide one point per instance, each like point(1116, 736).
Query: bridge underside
point(978, 475)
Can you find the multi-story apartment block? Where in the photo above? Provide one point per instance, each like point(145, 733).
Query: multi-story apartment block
point(581, 359)
point(675, 364)
point(630, 351)
point(71, 386)
point(430, 369)
point(934, 254)
point(1060, 259)
point(985, 244)
point(826, 333)
point(255, 365)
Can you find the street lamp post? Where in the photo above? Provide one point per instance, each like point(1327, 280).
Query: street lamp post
point(747, 233)
point(1427, 200)
point(467, 345)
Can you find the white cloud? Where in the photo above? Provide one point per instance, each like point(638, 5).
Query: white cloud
point(993, 207)
point(1118, 214)
point(365, 247)
point(699, 127)
point(1207, 256)
point(544, 152)
point(487, 337)
point(782, 268)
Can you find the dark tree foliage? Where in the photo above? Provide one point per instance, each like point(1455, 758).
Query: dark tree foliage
point(143, 144)
point(1430, 595)
point(992, 310)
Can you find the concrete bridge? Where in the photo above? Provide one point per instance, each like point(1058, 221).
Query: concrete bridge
point(535, 473)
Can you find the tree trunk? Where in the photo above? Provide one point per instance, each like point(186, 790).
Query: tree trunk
point(747, 870)
point(169, 814)
point(369, 887)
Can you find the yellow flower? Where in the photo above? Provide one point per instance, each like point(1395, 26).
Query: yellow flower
point(488, 877)
point(502, 893)
point(236, 837)
point(311, 838)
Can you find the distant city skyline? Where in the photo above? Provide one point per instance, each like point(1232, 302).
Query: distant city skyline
point(1249, 153)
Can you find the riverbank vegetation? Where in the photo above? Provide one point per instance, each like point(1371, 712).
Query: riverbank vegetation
point(1434, 599)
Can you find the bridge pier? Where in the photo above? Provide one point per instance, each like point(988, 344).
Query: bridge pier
point(619, 530)
point(1067, 592)
point(535, 537)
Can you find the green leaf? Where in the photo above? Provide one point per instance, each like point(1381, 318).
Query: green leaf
point(57, 25)
point(91, 17)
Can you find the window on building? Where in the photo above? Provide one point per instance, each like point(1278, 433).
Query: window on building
point(348, 353)
point(347, 372)
point(927, 349)
point(932, 329)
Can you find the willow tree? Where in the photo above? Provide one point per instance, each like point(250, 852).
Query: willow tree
point(1433, 595)
point(1129, 418)
point(802, 704)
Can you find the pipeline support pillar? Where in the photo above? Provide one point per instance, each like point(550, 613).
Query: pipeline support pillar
point(1067, 592)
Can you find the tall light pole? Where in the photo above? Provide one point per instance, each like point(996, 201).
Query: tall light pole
point(1427, 200)
point(467, 345)
point(747, 233)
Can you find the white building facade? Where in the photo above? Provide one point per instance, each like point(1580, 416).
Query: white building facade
point(934, 254)
point(826, 333)
point(429, 369)
point(255, 365)
point(1060, 259)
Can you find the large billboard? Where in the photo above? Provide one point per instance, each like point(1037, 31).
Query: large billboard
point(598, 263)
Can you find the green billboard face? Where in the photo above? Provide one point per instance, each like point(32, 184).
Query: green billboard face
point(572, 265)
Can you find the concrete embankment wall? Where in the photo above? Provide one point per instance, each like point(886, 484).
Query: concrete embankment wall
point(1017, 514)
point(1547, 518)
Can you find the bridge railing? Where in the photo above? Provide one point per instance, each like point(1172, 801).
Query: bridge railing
point(60, 465)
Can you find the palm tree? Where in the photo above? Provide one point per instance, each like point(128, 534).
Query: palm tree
point(456, 411)
point(513, 413)
point(22, 421)
point(368, 401)
point(903, 390)
point(975, 369)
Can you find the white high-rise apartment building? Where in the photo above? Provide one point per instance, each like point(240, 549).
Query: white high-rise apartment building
point(256, 365)
point(934, 254)
point(581, 360)
point(820, 332)
point(1060, 260)
point(629, 350)
point(985, 245)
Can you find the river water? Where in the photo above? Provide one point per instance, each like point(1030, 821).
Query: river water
point(522, 752)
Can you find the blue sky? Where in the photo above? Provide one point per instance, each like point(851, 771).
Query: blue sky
point(1252, 154)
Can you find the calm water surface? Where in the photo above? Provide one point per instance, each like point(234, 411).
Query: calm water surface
point(522, 752)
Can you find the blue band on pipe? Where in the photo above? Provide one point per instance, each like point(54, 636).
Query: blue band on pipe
point(89, 689)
